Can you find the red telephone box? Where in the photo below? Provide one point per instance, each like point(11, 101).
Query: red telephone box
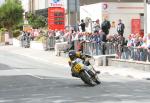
point(56, 17)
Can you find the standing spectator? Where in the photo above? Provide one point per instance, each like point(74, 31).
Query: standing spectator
point(148, 45)
point(148, 40)
point(102, 42)
point(28, 39)
point(120, 28)
point(97, 25)
point(82, 25)
point(148, 49)
point(57, 35)
point(105, 26)
point(142, 49)
point(97, 42)
point(70, 39)
point(22, 38)
point(103, 36)
point(120, 44)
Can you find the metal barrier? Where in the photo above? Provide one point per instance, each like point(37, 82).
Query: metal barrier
point(110, 48)
point(49, 43)
point(123, 52)
point(102, 48)
point(138, 54)
point(92, 48)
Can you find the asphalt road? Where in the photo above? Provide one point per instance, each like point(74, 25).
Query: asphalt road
point(24, 80)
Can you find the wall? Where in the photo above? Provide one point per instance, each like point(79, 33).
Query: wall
point(126, 19)
point(72, 12)
point(25, 5)
point(88, 2)
point(138, 65)
point(114, 11)
point(124, 11)
point(148, 18)
point(40, 4)
point(36, 6)
point(94, 11)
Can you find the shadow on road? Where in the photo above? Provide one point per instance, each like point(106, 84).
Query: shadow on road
point(28, 89)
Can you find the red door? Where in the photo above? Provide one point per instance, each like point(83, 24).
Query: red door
point(136, 26)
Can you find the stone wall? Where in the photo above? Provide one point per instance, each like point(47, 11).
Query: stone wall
point(139, 65)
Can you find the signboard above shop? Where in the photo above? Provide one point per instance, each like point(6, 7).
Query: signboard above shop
point(56, 18)
point(56, 3)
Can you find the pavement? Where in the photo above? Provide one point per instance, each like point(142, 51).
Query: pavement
point(2, 44)
point(49, 57)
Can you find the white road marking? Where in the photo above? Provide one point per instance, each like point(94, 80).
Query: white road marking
point(18, 70)
point(34, 75)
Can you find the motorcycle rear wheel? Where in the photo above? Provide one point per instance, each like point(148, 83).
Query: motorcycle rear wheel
point(86, 79)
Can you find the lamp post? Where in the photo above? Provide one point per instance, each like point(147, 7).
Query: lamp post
point(145, 16)
point(68, 12)
point(76, 15)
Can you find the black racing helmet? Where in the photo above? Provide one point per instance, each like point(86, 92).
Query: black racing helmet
point(72, 54)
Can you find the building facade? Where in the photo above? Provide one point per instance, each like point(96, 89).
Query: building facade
point(72, 8)
point(131, 14)
point(37, 5)
point(87, 2)
point(40, 7)
point(1, 2)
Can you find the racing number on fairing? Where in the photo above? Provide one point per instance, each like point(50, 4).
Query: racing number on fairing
point(77, 68)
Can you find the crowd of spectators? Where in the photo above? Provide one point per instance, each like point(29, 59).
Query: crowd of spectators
point(135, 46)
point(98, 38)
point(140, 47)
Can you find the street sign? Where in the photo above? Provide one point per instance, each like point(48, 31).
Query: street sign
point(56, 18)
point(56, 3)
point(27, 28)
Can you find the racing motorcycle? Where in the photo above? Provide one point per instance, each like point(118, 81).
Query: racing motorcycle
point(85, 71)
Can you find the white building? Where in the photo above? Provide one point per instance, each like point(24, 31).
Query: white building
point(1, 2)
point(115, 11)
point(136, 11)
point(41, 4)
point(25, 4)
point(147, 17)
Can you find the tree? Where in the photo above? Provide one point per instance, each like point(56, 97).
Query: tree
point(11, 14)
point(36, 21)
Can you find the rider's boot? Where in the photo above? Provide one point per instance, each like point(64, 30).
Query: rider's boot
point(75, 75)
point(97, 72)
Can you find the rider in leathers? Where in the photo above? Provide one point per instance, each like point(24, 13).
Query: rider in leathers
point(73, 55)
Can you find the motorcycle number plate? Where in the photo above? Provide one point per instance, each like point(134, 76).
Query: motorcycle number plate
point(77, 68)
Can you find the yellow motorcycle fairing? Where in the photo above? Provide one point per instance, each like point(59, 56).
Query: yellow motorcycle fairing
point(77, 67)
